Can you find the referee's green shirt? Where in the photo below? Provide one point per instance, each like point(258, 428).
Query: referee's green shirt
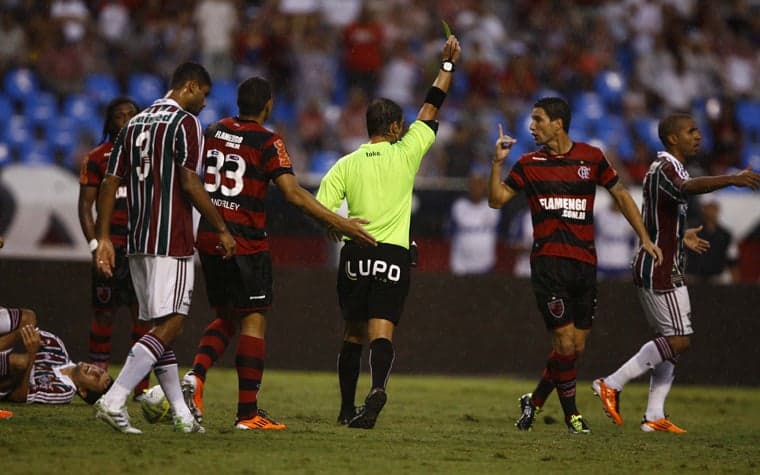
point(377, 180)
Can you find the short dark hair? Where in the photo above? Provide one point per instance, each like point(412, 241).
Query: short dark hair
point(189, 71)
point(93, 396)
point(110, 108)
point(555, 108)
point(669, 125)
point(381, 113)
point(253, 95)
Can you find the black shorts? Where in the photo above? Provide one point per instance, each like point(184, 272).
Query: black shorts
point(116, 291)
point(373, 282)
point(240, 285)
point(565, 291)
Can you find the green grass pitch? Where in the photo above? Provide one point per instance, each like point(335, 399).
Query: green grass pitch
point(431, 424)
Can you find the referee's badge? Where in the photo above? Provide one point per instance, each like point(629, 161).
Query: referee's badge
point(556, 308)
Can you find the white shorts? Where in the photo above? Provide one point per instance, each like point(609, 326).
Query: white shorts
point(669, 313)
point(164, 285)
point(9, 319)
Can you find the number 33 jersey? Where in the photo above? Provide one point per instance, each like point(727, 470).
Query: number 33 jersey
point(240, 159)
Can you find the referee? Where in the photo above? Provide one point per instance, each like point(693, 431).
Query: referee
point(376, 180)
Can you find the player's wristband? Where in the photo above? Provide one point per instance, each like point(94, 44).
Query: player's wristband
point(93, 244)
point(435, 96)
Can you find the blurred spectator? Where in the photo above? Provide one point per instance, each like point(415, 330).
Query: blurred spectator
point(474, 230)
point(362, 53)
point(217, 22)
point(114, 22)
point(719, 264)
point(73, 16)
point(615, 243)
point(352, 124)
point(61, 66)
point(12, 41)
point(400, 76)
point(312, 127)
point(521, 242)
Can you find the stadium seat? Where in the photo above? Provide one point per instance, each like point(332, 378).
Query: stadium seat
point(64, 135)
point(80, 108)
point(751, 156)
point(6, 109)
point(21, 84)
point(36, 153)
point(284, 111)
point(588, 107)
point(5, 154)
point(610, 85)
point(646, 130)
point(41, 108)
point(145, 88)
point(224, 93)
point(748, 115)
point(321, 161)
point(211, 113)
point(101, 88)
point(19, 131)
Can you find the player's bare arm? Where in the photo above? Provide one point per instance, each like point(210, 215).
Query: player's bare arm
point(692, 240)
point(450, 53)
point(30, 337)
point(631, 212)
point(498, 191)
point(296, 195)
point(746, 178)
point(193, 188)
point(88, 194)
point(105, 257)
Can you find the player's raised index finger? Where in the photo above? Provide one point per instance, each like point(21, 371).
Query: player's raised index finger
point(501, 132)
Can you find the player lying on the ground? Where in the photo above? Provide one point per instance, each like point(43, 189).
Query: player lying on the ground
point(42, 372)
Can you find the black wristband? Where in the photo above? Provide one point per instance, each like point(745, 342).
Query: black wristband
point(435, 96)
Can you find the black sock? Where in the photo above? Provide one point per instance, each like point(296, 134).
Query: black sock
point(380, 361)
point(349, 364)
point(544, 387)
point(563, 374)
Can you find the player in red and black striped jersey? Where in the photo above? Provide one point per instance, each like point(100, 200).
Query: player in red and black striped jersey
point(241, 158)
point(560, 181)
point(158, 155)
point(109, 293)
point(662, 288)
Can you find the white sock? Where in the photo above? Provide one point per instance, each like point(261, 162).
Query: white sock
point(659, 387)
point(647, 358)
point(167, 372)
point(139, 362)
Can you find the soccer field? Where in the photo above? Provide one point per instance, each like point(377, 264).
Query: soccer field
point(431, 424)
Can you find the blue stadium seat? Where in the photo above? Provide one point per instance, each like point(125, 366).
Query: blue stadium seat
point(63, 135)
point(646, 129)
point(36, 153)
point(748, 115)
point(284, 111)
point(81, 108)
point(21, 84)
point(41, 108)
point(5, 154)
point(211, 113)
point(224, 93)
point(6, 109)
point(610, 85)
point(588, 109)
point(19, 131)
point(751, 156)
point(101, 87)
point(145, 88)
point(320, 162)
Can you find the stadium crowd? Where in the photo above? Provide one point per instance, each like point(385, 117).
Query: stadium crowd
point(621, 64)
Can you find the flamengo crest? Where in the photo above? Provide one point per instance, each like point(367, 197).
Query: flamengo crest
point(584, 172)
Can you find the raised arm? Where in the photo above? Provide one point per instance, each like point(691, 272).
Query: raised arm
point(498, 191)
point(706, 184)
point(437, 93)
